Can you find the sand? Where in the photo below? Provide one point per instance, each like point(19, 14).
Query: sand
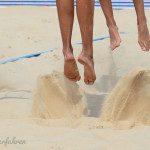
point(128, 104)
point(43, 110)
point(56, 97)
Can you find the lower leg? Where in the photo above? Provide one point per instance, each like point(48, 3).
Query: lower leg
point(65, 10)
point(113, 29)
point(143, 33)
point(85, 13)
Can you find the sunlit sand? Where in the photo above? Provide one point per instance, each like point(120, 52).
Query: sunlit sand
point(41, 107)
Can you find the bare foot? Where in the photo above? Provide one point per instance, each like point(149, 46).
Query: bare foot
point(144, 37)
point(89, 73)
point(115, 39)
point(70, 68)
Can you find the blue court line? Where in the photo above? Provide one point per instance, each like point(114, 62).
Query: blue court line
point(97, 39)
point(26, 56)
point(102, 38)
point(37, 54)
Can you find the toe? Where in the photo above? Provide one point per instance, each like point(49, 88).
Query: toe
point(74, 80)
point(144, 49)
point(78, 77)
point(115, 46)
point(146, 46)
point(142, 46)
point(112, 47)
point(86, 81)
point(118, 44)
point(91, 82)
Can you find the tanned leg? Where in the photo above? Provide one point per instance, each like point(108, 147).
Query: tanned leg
point(65, 10)
point(143, 32)
point(115, 39)
point(85, 12)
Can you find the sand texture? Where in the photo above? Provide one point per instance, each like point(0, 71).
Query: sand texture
point(56, 97)
point(39, 106)
point(129, 102)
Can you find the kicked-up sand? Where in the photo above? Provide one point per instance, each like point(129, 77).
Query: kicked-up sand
point(41, 109)
point(128, 104)
point(56, 97)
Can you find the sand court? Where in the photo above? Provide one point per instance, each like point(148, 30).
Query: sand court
point(40, 106)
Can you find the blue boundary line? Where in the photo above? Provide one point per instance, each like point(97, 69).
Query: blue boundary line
point(102, 38)
point(37, 54)
point(26, 56)
point(97, 39)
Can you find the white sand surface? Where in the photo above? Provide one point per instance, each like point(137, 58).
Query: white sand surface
point(41, 108)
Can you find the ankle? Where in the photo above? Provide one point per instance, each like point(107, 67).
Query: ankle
point(112, 27)
point(87, 53)
point(111, 24)
point(142, 22)
point(142, 27)
point(67, 50)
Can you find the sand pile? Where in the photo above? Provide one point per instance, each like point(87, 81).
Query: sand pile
point(128, 105)
point(129, 102)
point(56, 97)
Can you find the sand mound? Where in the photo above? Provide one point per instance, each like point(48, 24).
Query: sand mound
point(129, 102)
point(56, 97)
